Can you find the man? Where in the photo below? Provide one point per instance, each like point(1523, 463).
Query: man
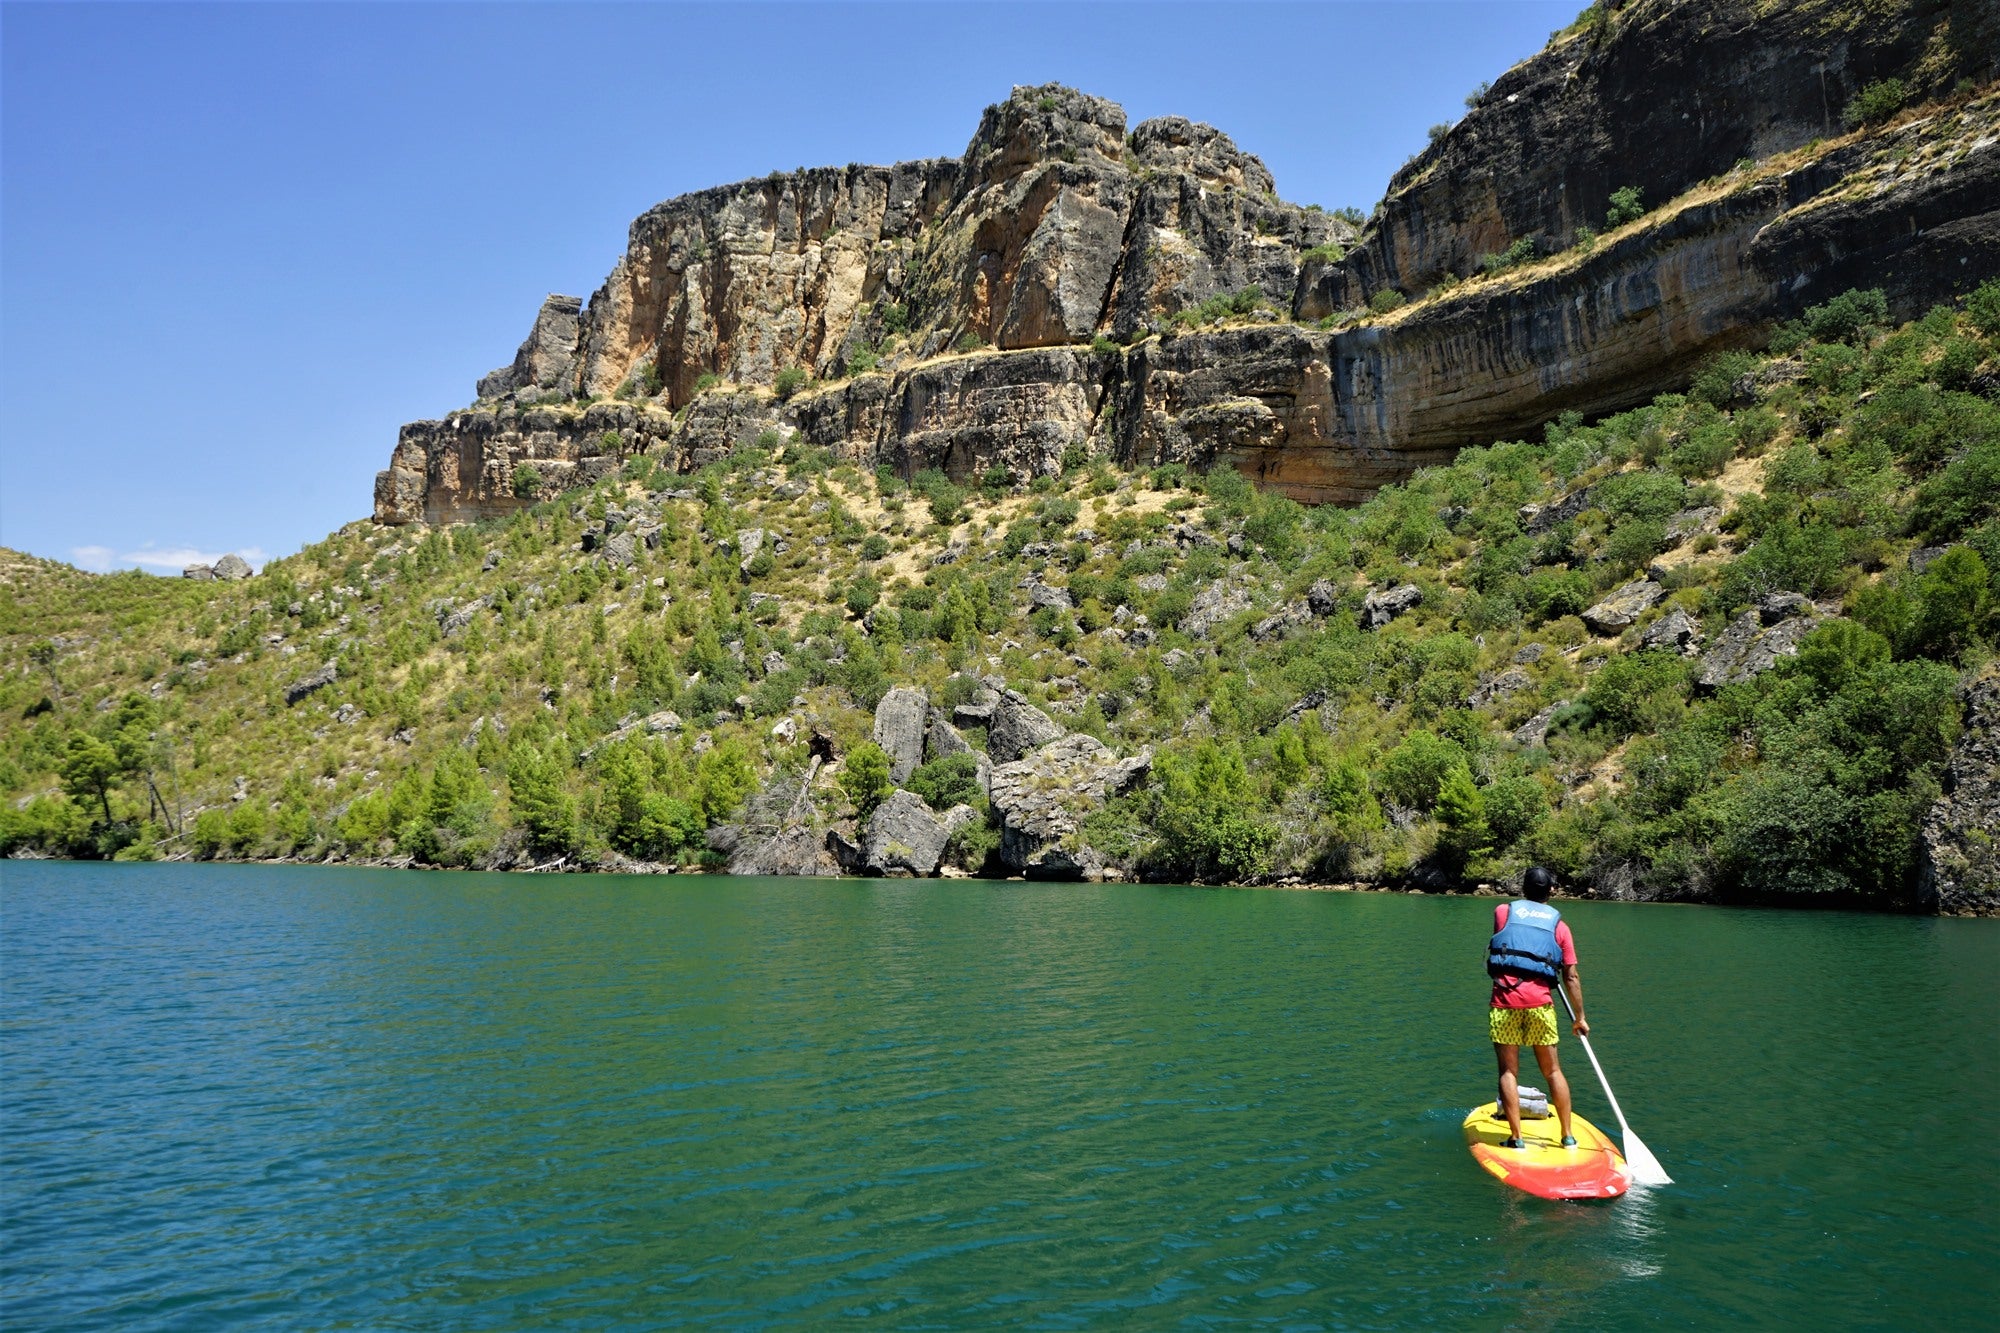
point(1530, 951)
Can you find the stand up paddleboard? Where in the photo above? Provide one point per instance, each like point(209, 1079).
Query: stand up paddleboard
point(1593, 1169)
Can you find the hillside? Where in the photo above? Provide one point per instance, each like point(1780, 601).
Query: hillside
point(1733, 644)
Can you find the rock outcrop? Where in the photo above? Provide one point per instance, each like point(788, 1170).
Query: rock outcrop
point(306, 685)
point(900, 721)
point(1959, 868)
point(972, 285)
point(1016, 726)
point(1623, 606)
point(1756, 639)
point(1043, 798)
point(906, 837)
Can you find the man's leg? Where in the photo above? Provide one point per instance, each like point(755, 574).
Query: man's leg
point(1510, 1085)
point(1545, 1056)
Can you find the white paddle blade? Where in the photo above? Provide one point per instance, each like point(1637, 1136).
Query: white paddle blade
point(1645, 1168)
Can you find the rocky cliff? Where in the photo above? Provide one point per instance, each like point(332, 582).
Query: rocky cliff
point(1047, 287)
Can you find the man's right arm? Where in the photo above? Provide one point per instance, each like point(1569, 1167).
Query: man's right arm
point(1573, 983)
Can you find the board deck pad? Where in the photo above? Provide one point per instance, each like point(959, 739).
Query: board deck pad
point(1593, 1169)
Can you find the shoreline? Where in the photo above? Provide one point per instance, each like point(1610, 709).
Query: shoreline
point(1290, 884)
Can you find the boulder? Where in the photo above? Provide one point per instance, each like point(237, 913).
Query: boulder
point(905, 837)
point(1529, 652)
point(1511, 681)
point(1693, 522)
point(1623, 606)
point(452, 622)
point(1752, 644)
point(232, 567)
point(1275, 624)
point(1959, 853)
point(305, 685)
point(1017, 727)
point(941, 738)
point(663, 721)
point(1041, 594)
point(899, 730)
point(621, 548)
point(1675, 632)
point(1535, 730)
point(748, 543)
point(1921, 558)
point(1043, 798)
point(1323, 599)
point(1538, 518)
point(1780, 606)
point(1211, 607)
point(202, 573)
point(1381, 607)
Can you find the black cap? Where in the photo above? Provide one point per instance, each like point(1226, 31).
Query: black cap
point(1537, 884)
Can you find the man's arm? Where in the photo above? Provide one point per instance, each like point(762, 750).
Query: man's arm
point(1573, 984)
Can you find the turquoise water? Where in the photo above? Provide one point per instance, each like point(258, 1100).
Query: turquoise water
point(296, 1098)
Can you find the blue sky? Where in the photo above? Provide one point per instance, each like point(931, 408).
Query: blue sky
point(241, 244)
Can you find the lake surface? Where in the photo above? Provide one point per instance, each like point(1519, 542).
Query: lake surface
point(297, 1098)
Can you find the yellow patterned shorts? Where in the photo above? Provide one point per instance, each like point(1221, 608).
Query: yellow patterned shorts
point(1523, 1027)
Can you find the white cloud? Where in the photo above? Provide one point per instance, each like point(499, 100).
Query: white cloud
point(159, 559)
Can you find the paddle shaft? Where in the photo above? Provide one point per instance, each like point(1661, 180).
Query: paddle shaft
point(1602, 1081)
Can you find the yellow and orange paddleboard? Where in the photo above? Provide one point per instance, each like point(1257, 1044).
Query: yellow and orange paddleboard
point(1593, 1169)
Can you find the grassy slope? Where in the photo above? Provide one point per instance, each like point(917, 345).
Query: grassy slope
point(1849, 453)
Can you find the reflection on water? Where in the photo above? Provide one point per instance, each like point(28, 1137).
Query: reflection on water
point(304, 1098)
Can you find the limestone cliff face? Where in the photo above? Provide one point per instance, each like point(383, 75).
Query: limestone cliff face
point(972, 285)
point(1655, 94)
point(1021, 242)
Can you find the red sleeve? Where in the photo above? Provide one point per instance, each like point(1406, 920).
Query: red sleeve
point(1499, 918)
point(1568, 944)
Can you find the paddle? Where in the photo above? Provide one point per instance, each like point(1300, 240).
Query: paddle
point(1646, 1168)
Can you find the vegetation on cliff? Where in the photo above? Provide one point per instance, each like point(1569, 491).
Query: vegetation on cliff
point(1710, 647)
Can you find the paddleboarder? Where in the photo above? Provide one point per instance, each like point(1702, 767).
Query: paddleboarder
point(1530, 952)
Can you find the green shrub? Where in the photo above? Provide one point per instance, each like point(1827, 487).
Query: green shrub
point(865, 777)
point(1625, 207)
point(1876, 103)
point(1461, 813)
point(947, 781)
point(1550, 594)
point(1515, 807)
point(1103, 345)
point(1848, 317)
point(862, 594)
point(1715, 382)
point(527, 482)
point(1386, 300)
point(1522, 251)
point(874, 546)
point(706, 381)
point(1207, 813)
point(1642, 691)
point(1412, 773)
point(1983, 307)
point(1328, 252)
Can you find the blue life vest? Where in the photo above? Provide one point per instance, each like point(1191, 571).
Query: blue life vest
point(1526, 946)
